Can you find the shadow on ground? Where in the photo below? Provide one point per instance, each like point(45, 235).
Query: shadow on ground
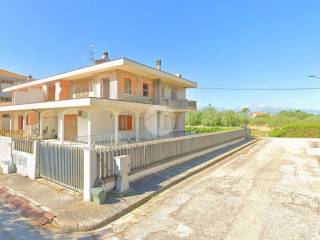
point(155, 181)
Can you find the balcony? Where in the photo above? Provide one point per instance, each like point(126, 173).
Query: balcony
point(180, 104)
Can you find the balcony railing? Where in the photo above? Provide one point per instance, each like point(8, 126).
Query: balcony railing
point(180, 104)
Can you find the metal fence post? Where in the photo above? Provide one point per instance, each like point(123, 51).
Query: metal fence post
point(90, 172)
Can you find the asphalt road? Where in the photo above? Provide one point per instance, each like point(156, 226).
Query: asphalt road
point(270, 191)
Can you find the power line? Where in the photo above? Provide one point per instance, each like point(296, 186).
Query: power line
point(259, 89)
point(264, 80)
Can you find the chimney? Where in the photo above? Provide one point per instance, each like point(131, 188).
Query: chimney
point(158, 64)
point(105, 56)
point(29, 78)
point(179, 75)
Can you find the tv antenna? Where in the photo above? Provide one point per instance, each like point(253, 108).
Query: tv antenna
point(92, 52)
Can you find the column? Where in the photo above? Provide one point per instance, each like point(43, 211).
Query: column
point(40, 125)
point(90, 173)
point(24, 122)
point(58, 91)
point(116, 127)
point(45, 91)
point(137, 126)
point(158, 123)
point(11, 127)
point(61, 126)
point(90, 142)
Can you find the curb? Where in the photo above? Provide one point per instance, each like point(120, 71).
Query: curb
point(192, 172)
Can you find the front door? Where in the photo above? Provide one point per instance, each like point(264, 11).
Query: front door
point(70, 127)
point(105, 88)
point(20, 122)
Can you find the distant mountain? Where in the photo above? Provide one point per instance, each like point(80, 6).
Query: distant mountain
point(275, 110)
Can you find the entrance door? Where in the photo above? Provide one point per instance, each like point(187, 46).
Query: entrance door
point(20, 122)
point(105, 88)
point(70, 126)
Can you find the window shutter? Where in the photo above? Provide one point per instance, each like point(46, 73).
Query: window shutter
point(129, 122)
point(120, 122)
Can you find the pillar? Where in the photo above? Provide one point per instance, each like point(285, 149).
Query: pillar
point(11, 127)
point(90, 173)
point(45, 91)
point(61, 126)
point(90, 118)
point(158, 123)
point(40, 125)
point(137, 126)
point(116, 127)
point(24, 124)
point(58, 91)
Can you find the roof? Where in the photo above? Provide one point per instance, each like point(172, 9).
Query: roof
point(11, 76)
point(121, 64)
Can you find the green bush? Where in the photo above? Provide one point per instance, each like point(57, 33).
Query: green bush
point(299, 130)
point(204, 129)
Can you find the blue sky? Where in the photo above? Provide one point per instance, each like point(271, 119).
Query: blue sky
point(215, 43)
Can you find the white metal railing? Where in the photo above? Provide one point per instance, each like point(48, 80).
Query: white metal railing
point(23, 145)
point(147, 153)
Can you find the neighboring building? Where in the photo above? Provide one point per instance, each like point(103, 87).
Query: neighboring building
point(7, 79)
point(258, 114)
point(109, 101)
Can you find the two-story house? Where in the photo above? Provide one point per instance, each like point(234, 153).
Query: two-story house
point(7, 79)
point(107, 101)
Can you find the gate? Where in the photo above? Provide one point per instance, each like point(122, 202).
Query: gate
point(62, 165)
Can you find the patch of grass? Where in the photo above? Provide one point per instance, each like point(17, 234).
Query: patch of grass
point(299, 130)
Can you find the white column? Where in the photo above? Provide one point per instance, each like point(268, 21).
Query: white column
point(137, 126)
point(58, 91)
point(40, 124)
point(61, 126)
point(90, 173)
point(116, 127)
point(11, 121)
point(90, 129)
point(45, 91)
point(158, 123)
point(24, 124)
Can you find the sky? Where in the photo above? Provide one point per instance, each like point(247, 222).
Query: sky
point(229, 44)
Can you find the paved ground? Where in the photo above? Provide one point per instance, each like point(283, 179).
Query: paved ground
point(14, 227)
point(269, 192)
point(65, 204)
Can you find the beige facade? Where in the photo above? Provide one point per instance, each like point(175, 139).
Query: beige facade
point(118, 99)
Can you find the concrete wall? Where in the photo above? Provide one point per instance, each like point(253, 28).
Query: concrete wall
point(103, 122)
point(25, 163)
point(32, 95)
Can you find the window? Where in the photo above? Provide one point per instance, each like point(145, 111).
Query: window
point(125, 122)
point(174, 94)
point(127, 86)
point(145, 88)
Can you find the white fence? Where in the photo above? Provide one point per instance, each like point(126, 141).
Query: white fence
point(79, 168)
point(62, 165)
point(148, 153)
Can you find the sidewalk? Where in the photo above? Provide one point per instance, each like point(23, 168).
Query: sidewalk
point(72, 214)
